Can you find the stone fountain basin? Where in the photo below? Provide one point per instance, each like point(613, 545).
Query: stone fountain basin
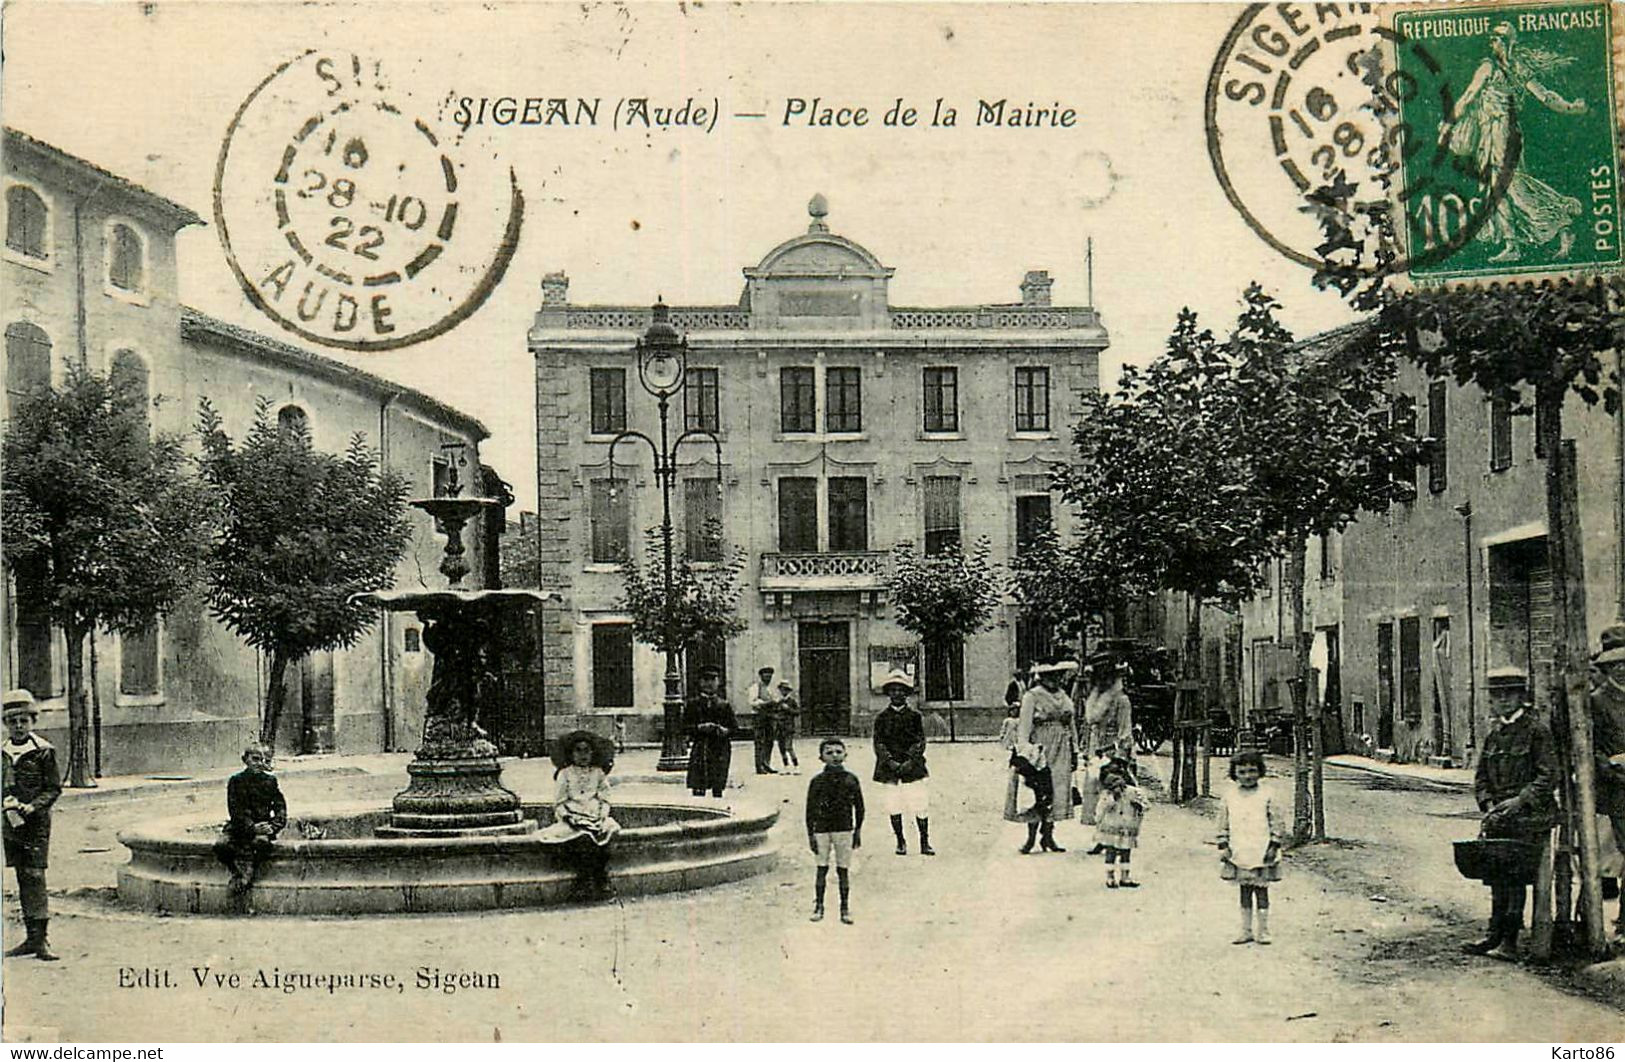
point(664, 845)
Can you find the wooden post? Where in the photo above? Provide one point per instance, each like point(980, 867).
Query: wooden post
point(1540, 919)
point(1577, 698)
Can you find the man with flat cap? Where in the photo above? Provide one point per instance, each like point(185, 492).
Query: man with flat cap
point(1608, 737)
point(710, 724)
point(30, 786)
point(764, 704)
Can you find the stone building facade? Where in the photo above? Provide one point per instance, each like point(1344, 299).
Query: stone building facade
point(848, 426)
point(90, 276)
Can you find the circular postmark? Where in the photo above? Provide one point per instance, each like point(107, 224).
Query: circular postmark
point(1309, 112)
point(351, 221)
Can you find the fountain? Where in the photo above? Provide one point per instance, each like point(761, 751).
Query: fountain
point(455, 838)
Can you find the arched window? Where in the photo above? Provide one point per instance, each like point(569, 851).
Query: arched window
point(28, 358)
point(25, 222)
point(126, 259)
point(128, 370)
point(293, 422)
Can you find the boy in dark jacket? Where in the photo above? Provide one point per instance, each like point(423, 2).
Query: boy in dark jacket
point(31, 786)
point(834, 823)
point(257, 814)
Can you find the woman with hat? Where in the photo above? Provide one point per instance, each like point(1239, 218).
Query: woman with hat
point(1048, 730)
point(710, 723)
point(1109, 714)
point(581, 807)
point(31, 785)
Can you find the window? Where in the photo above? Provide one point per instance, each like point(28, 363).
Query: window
point(848, 514)
point(1035, 640)
point(129, 371)
point(1032, 520)
point(610, 515)
point(945, 669)
point(293, 424)
point(1404, 475)
point(1032, 399)
point(797, 400)
point(941, 399)
point(702, 519)
point(700, 407)
point(138, 662)
point(798, 514)
point(1325, 555)
point(843, 400)
point(1410, 669)
point(612, 665)
point(412, 640)
point(941, 513)
point(28, 359)
point(36, 641)
point(1500, 434)
point(126, 266)
point(1438, 456)
point(608, 401)
point(25, 222)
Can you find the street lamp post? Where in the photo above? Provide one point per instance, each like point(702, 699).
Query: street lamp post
point(662, 365)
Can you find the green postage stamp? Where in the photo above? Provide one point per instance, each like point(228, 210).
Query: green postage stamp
point(1520, 170)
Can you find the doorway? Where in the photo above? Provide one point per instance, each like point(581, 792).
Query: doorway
point(824, 653)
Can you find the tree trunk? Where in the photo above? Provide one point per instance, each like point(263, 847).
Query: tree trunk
point(95, 710)
point(1191, 671)
point(1569, 642)
point(78, 710)
point(1302, 747)
point(276, 694)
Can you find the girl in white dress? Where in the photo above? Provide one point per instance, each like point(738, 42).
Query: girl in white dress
point(1252, 829)
point(581, 811)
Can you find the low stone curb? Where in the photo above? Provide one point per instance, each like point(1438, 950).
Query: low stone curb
point(1445, 784)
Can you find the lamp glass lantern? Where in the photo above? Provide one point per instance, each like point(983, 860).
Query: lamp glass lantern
point(662, 355)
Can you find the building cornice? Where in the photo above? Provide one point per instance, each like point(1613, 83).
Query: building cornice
point(76, 170)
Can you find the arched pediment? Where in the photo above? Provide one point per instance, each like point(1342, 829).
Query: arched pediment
point(819, 254)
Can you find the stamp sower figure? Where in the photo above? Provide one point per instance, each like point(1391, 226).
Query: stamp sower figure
point(1608, 737)
point(581, 809)
point(31, 785)
point(764, 703)
point(785, 730)
point(256, 814)
point(710, 724)
point(900, 762)
point(1517, 771)
point(834, 824)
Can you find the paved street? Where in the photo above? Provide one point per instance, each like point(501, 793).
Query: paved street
point(979, 943)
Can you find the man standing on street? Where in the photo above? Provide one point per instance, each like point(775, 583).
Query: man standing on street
point(900, 762)
point(31, 785)
point(1608, 738)
point(710, 723)
point(764, 702)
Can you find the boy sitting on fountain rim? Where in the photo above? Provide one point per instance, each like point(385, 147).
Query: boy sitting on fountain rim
point(257, 813)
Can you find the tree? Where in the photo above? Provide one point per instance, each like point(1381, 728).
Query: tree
point(1165, 491)
point(305, 532)
point(520, 556)
point(1066, 583)
point(945, 597)
point(704, 600)
point(104, 522)
point(1323, 447)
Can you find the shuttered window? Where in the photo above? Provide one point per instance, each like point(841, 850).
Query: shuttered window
point(1032, 519)
point(612, 665)
point(702, 519)
point(941, 513)
point(798, 514)
point(1438, 432)
point(848, 514)
point(126, 260)
point(25, 222)
point(1500, 434)
point(1410, 669)
point(138, 662)
point(28, 359)
point(610, 517)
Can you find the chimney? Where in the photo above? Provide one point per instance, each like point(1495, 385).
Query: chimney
point(1035, 287)
point(555, 289)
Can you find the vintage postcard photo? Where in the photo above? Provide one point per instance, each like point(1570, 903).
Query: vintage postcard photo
point(864, 522)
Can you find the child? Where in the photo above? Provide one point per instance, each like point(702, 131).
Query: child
point(581, 810)
point(1118, 814)
point(1252, 827)
point(785, 730)
point(1008, 728)
point(31, 784)
point(257, 814)
point(834, 823)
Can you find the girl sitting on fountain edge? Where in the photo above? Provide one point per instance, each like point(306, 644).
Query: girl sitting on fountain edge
point(581, 809)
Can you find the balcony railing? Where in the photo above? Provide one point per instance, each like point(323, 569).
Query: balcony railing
point(857, 570)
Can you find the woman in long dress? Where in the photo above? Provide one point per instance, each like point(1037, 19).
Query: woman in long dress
point(1047, 730)
point(1483, 129)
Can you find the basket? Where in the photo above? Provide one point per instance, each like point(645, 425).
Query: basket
point(1498, 861)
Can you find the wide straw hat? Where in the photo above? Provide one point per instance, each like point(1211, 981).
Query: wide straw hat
point(1055, 667)
point(603, 750)
point(898, 678)
point(17, 702)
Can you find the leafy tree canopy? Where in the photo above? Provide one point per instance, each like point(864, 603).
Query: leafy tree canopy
point(946, 596)
point(704, 598)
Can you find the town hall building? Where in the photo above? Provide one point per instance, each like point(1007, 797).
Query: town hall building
point(848, 426)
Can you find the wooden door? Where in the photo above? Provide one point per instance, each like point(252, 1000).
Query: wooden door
point(825, 657)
